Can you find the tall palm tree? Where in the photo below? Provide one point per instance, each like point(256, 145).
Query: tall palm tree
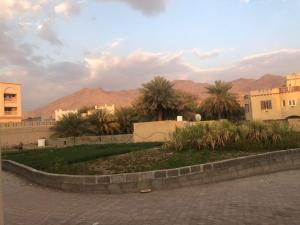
point(158, 97)
point(221, 104)
point(102, 123)
point(71, 125)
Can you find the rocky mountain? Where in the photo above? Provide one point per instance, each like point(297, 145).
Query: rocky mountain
point(98, 96)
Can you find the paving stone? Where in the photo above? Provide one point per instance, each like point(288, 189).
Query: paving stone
point(266, 199)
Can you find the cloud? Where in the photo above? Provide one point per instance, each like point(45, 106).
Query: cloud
point(68, 8)
point(12, 52)
point(147, 7)
point(114, 44)
point(12, 8)
point(207, 54)
point(283, 61)
point(126, 72)
point(245, 1)
point(46, 32)
point(139, 66)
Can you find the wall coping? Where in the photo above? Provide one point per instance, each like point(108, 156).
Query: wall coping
point(161, 179)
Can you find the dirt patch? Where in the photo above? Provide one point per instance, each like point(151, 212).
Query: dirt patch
point(128, 163)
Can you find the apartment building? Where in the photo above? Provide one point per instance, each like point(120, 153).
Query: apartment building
point(10, 102)
point(275, 104)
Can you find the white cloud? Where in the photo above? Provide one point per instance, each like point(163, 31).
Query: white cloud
point(46, 32)
point(207, 54)
point(245, 1)
point(114, 44)
point(111, 71)
point(12, 8)
point(68, 8)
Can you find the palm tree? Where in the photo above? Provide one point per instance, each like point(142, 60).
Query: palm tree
point(71, 125)
point(102, 123)
point(158, 97)
point(126, 117)
point(222, 104)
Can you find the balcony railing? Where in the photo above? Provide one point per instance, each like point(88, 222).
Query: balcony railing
point(10, 112)
point(10, 100)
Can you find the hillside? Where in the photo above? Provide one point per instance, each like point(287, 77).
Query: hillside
point(98, 96)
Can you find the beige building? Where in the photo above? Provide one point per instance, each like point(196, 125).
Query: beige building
point(10, 102)
point(60, 113)
point(275, 104)
point(108, 108)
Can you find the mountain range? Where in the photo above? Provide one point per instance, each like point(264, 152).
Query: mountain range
point(98, 96)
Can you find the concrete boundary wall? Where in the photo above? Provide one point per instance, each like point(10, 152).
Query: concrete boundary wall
point(163, 179)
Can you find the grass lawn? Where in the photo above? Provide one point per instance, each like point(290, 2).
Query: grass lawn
point(62, 160)
point(135, 157)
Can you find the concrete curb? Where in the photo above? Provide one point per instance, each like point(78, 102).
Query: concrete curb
point(162, 179)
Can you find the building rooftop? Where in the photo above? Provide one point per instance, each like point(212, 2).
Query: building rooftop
point(2, 82)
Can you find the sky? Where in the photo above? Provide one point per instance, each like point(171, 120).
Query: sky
point(56, 47)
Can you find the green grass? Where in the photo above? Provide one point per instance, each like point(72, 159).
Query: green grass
point(126, 158)
point(61, 160)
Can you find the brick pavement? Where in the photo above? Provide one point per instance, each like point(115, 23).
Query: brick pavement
point(261, 200)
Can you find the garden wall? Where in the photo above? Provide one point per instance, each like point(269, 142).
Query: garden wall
point(107, 139)
point(28, 133)
point(158, 131)
point(163, 179)
point(11, 134)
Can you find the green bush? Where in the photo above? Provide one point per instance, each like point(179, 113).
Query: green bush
point(219, 134)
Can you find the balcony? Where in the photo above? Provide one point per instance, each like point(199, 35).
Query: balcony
point(10, 98)
point(9, 113)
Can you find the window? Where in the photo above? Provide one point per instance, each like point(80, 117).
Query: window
point(292, 102)
point(247, 108)
point(283, 103)
point(10, 97)
point(265, 105)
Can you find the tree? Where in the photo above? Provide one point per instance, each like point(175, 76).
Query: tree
point(157, 97)
point(71, 125)
point(186, 105)
point(126, 117)
point(221, 104)
point(102, 123)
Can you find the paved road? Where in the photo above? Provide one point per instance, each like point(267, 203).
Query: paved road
point(262, 200)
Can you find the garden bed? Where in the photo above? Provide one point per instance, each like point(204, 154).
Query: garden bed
point(71, 160)
point(138, 157)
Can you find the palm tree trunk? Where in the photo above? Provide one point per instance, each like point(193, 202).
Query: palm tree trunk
point(160, 115)
point(219, 115)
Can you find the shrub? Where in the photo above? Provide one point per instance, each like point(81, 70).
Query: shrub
point(219, 134)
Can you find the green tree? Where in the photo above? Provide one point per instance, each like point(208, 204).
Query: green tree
point(102, 123)
point(186, 105)
point(71, 125)
point(157, 97)
point(126, 117)
point(221, 104)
